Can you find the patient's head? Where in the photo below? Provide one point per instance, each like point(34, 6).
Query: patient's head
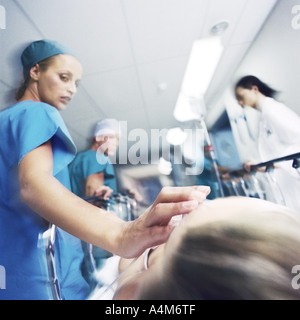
point(229, 248)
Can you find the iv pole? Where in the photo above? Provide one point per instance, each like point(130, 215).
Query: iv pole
point(198, 106)
point(209, 147)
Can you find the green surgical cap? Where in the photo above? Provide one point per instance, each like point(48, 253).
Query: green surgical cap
point(41, 50)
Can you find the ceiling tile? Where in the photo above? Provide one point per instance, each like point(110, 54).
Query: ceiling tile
point(161, 82)
point(81, 107)
point(220, 10)
point(247, 27)
point(95, 30)
point(115, 90)
point(133, 52)
point(81, 142)
point(82, 131)
point(18, 33)
point(162, 29)
point(135, 119)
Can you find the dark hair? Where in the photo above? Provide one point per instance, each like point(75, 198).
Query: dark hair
point(248, 82)
point(44, 64)
point(21, 90)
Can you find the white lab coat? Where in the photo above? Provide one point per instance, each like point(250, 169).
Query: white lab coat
point(279, 136)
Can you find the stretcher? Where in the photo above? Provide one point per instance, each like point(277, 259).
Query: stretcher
point(259, 183)
point(255, 184)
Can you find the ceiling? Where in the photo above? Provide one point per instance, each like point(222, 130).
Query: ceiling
point(133, 52)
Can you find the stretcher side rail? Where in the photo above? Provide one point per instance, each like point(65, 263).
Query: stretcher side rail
point(268, 164)
point(295, 157)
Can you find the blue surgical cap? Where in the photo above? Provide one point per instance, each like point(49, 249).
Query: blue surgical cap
point(41, 50)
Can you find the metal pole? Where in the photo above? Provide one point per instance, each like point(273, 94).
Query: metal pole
point(210, 149)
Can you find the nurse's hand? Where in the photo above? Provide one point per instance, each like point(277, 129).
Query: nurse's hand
point(152, 228)
point(247, 167)
point(104, 192)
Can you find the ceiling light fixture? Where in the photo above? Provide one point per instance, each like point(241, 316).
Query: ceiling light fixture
point(219, 28)
point(204, 58)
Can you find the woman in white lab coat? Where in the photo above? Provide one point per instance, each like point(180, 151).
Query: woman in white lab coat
point(279, 133)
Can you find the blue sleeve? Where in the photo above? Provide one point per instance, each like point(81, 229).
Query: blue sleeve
point(91, 166)
point(104, 163)
point(35, 124)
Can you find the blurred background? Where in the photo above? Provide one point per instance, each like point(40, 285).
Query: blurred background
point(168, 65)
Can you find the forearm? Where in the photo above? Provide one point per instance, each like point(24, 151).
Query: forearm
point(55, 203)
point(93, 182)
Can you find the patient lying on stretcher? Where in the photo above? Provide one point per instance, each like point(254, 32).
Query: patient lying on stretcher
point(229, 248)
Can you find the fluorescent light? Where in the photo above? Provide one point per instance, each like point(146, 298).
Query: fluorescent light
point(202, 63)
point(204, 58)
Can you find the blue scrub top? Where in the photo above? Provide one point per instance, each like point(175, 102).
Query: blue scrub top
point(87, 163)
point(23, 127)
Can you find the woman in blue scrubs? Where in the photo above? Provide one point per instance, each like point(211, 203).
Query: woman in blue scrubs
point(35, 150)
